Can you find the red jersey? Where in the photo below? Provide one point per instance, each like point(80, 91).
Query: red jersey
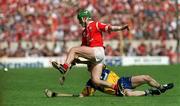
point(92, 34)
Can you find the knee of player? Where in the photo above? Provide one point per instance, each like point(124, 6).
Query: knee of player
point(72, 49)
point(75, 50)
point(147, 78)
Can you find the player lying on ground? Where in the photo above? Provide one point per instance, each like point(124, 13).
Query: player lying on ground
point(126, 85)
point(91, 48)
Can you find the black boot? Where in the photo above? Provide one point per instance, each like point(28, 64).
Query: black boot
point(166, 87)
point(58, 67)
point(152, 91)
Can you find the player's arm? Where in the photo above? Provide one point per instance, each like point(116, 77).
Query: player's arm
point(108, 28)
point(119, 28)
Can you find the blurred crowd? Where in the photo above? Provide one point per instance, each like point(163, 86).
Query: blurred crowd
point(32, 24)
point(143, 49)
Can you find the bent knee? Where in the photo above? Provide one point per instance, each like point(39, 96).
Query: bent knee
point(73, 49)
point(147, 77)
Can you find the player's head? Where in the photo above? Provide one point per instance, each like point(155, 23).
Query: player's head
point(83, 16)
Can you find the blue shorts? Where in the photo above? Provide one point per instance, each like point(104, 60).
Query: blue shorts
point(125, 83)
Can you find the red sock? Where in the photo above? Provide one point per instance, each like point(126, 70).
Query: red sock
point(66, 66)
point(115, 86)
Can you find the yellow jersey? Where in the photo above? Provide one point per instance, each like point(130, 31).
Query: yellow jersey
point(106, 75)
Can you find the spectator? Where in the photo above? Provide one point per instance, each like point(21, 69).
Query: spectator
point(108, 51)
point(130, 50)
point(171, 54)
point(142, 50)
point(55, 21)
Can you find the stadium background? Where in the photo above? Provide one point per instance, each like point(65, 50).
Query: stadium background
point(36, 29)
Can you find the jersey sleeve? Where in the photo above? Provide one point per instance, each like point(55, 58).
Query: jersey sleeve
point(103, 27)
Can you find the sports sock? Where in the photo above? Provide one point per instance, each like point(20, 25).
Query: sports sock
point(114, 86)
point(66, 66)
point(161, 87)
point(147, 92)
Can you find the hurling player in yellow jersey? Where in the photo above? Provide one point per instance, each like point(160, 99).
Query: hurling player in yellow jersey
point(126, 85)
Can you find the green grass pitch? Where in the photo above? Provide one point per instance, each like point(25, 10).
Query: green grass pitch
point(24, 87)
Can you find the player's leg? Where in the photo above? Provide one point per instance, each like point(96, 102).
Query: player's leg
point(96, 74)
point(144, 79)
point(83, 51)
point(129, 92)
point(166, 87)
point(93, 54)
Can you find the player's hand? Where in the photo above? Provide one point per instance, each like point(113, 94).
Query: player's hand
point(125, 27)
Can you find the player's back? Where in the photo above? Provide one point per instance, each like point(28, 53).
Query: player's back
point(93, 36)
point(111, 77)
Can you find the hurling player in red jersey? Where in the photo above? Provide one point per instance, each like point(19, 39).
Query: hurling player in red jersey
point(91, 48)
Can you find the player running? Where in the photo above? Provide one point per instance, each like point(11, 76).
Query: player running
point(126, 86)
point(91, 48)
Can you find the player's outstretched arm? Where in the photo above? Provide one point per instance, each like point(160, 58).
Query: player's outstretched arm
point(119, 28)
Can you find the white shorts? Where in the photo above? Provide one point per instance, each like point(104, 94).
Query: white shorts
point(99, 54)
